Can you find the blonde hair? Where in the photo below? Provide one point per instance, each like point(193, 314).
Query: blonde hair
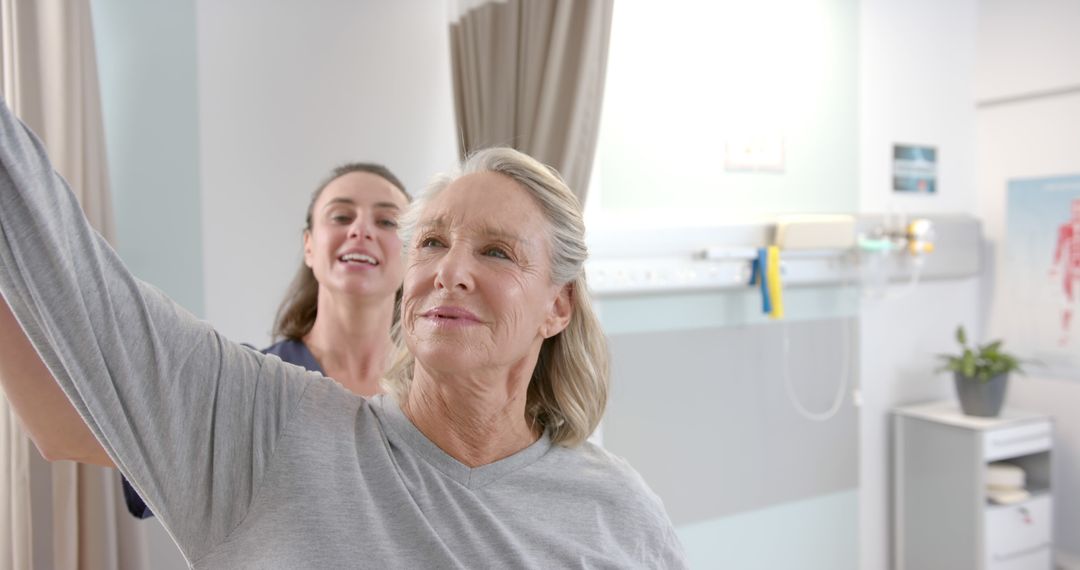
point(569, 387)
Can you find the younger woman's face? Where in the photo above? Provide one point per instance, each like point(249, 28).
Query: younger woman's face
point(353, 246)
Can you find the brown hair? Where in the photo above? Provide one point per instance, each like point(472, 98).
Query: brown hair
point(298, 309)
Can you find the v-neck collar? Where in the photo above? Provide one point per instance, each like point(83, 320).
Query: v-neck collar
point(470, 477)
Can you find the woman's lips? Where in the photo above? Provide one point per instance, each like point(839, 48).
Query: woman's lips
point(358, 260)
point(451, 316)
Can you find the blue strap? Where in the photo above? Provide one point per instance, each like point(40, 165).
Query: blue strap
point(758, 276)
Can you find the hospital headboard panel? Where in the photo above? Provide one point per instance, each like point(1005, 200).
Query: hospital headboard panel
point(704, 416)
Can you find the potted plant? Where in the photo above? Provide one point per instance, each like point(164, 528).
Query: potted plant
point(981, 374)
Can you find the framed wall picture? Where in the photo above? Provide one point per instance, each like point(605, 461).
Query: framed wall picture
point(914, 169)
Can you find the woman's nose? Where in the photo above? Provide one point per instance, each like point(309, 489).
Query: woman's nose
point(455, 270)
point(361, 228)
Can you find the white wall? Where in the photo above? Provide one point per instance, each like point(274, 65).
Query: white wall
point(288, 90)
point(916, 78)
point(1029, 48)
point(686, 80)
point(146, 64)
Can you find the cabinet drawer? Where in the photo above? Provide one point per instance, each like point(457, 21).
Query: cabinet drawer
point(1016, 441)
point(1018, 532)
point(1039, 558)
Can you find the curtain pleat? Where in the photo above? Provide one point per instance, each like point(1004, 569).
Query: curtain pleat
point(16, 537)
point(16, 541)
point(529, 74)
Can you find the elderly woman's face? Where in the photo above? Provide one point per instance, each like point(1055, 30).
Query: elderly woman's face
point(478, 291)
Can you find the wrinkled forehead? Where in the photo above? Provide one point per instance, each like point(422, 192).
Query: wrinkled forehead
point(485, 204)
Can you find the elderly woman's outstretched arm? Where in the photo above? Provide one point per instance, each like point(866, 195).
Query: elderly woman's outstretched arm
point(190, 418)
point(47, 415)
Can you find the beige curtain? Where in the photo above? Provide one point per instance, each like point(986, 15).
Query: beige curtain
point(48, 73)
point(15, 539)
point(530, 74)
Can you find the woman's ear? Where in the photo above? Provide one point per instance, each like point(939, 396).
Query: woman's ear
point(307, 249)
point(562, 308)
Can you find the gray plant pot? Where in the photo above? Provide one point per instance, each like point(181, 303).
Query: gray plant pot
point(981, 398)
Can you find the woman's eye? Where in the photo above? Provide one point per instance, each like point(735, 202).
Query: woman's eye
point(497, 252)
point(430, 242)
point(388, 223)
point(341, 219)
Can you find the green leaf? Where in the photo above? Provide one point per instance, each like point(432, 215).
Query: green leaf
point(967, 364)
point(979, 362)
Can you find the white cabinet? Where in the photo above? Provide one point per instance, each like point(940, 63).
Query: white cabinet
point(943, 519)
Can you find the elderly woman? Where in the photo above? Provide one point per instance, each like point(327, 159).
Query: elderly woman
point(476, 457)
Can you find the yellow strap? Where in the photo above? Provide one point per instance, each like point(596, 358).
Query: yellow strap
point(776, 290)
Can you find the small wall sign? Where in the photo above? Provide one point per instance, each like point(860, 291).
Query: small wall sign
point(914, 169)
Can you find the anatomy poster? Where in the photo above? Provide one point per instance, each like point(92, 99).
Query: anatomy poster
point(1040, 294)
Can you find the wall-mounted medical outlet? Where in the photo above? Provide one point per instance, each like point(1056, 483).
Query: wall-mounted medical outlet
point(632, 262)
point(815, 232)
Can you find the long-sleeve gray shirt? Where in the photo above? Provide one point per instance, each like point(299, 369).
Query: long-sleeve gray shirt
point(251, 462)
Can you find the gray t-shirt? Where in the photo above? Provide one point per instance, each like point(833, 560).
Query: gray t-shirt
point(253, 463)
